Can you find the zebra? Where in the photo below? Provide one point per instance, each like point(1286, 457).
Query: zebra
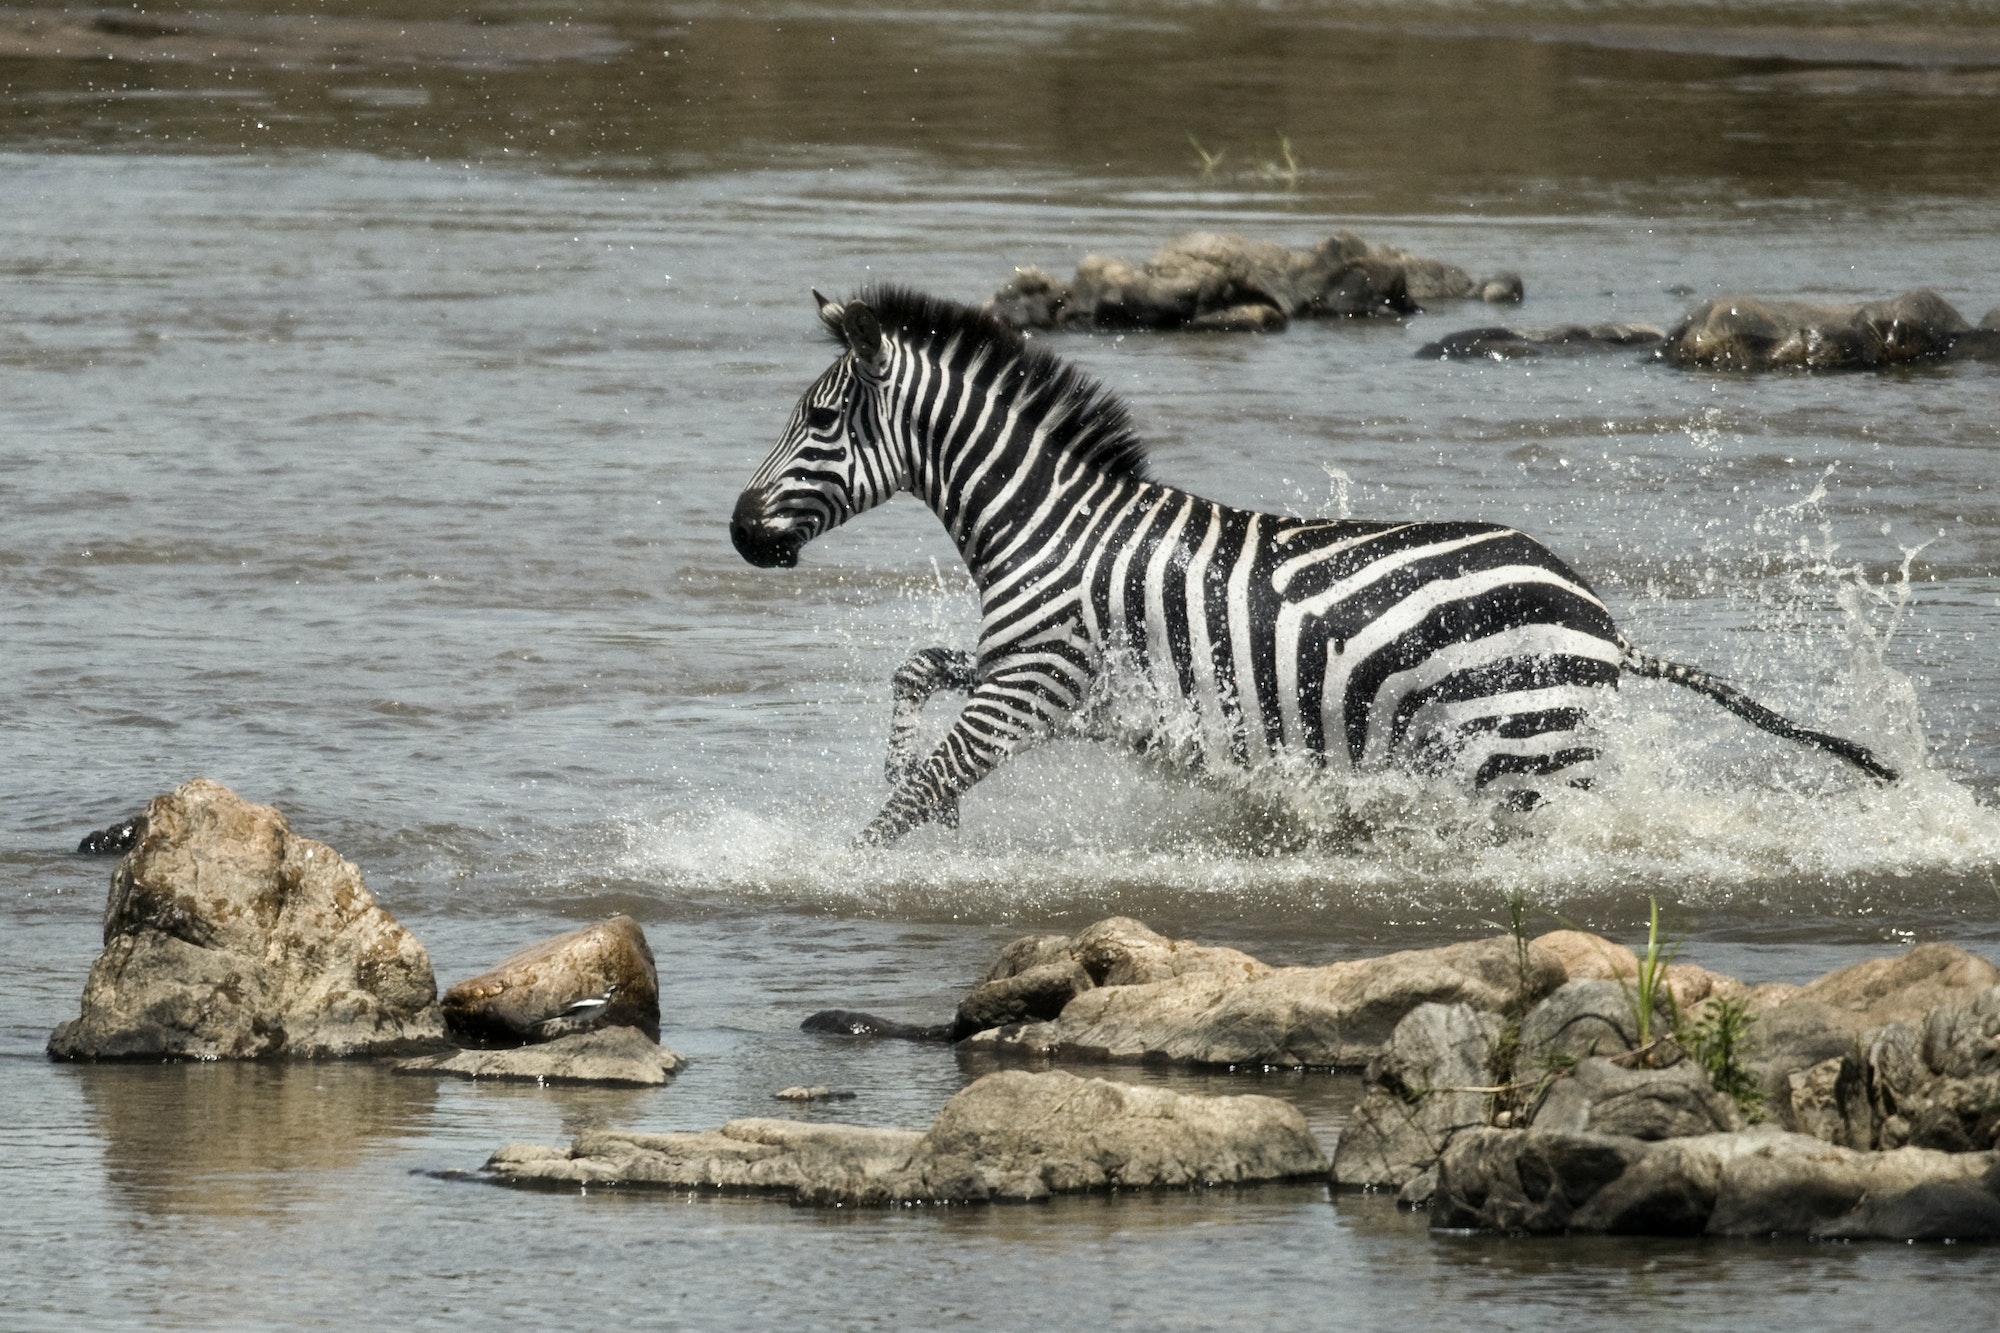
point(1446, 649)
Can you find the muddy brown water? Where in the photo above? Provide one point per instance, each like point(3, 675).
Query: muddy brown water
point(374, 386)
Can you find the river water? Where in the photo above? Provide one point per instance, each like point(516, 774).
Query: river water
point(374, 387)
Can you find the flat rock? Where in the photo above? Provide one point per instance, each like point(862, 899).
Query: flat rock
point(1009, 1135)
point(525, 997)
point(612, 1055)
point(1757, 1182)
point(1225, 1008)
point(1753, 333)
point(1499, 343)
point(814, 1092)
point(229, 937)
point(1225, 283)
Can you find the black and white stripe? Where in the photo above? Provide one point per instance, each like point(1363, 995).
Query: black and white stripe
point(1462, 649)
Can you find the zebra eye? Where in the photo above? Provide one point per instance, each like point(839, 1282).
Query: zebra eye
point(822, 418)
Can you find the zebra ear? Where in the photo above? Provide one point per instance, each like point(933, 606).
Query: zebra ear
point(863, 333)
point(829, 315)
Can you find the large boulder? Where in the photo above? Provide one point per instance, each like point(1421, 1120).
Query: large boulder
point(547, 990)
point(229, 937)
point(1218, 282)
point(1190, 1005)
point(1010, 1135)
point(1431, 1081)
point(607, 1055)
point(1750, 333)
point(1600, 1097)
point(1758, 1182)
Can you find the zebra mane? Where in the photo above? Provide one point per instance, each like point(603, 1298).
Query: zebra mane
point(1097, 430)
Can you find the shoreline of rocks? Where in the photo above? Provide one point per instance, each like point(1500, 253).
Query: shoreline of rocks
point(1509, 1083)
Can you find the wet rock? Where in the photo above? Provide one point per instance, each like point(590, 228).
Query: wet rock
point(1601, 1097)
point(1010, 1135)
point(817, 1092)
point(1428, 1083)
point(113, 840)
point(1168, 1000)
point(600, 976)
point(608, 1055)
point(1758, 1182)
point(1748, 333)
point(1207, 280)
point(1582, 1019)
point(849, 1023)
point(1036, 993)
point(227, 936)
point(1499, 343)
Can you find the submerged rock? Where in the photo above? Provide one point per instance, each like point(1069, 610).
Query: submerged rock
point(849, 1023)
point(1750, 333)
point(614, 1055)
point(815, 1092)
point(1758, 1182)
point(1499, 343)
point(1010, 1135)
point(600, 976)
point(113, 840)
point(1219, 282)
point(227, 936)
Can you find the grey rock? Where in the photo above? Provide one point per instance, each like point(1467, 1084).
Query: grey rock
point(602, 975)
point(1423, 1088)
point(1036, 993)
point(1184, 1004)
point(1498, 343)
point(1758, 1182)
point(815, 1092)
point(1600, 1097)
point(1010, 1135)
point(1584, 1018)
point(1219, 282)
point(1750, 333)
point(227, 936)
point(611, 1055)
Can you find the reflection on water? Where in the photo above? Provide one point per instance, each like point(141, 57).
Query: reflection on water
point(229, 1140)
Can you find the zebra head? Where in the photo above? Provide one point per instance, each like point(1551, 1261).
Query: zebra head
point(834, 460)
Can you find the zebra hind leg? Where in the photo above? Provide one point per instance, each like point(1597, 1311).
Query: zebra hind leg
point(928, 671)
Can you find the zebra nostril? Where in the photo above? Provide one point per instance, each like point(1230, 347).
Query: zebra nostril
point(757, 540)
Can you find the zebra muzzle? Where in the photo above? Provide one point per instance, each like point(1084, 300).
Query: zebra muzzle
point(763, 543)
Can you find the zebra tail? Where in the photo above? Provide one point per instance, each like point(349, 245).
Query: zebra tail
point(1741, 704)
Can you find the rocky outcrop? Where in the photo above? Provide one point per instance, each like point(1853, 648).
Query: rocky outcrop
point(611, 1055)
point(227, 936)
point(1750, 333)
point(1159, 1000)
point(1759, 1182)
point(1499, 343)
point(1206, 281)
point(1601, 1097)
point(1010, 1135)
point(600, 976)
point(1431, 1081)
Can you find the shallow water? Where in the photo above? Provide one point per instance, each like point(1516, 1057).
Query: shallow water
point(371, 406)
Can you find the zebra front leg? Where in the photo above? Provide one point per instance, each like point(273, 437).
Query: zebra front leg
point(928, 671)
point(1004, 713)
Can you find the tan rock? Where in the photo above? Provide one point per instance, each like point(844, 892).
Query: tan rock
point(228, 936)
point(1587, 957)
point(612, 1055)
point(523, 998)
point(1751, 333)
point(1010, 1135)
point(1902, 988)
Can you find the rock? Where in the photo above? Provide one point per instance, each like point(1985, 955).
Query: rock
point(1758, 1182)
point(1600, 1097)
point(227, 936)
point(1219, 282)
point(1499, 343)
point(1010, 1135)
point(848, 1023)
point(614, 1055)
point(1581, 1019)
point(113, 840)
point(1167, 1000)
point(549, 989)
point(1903, 988)
point(1939, 1087)
point(1038, 992)
point(817, 1092)
point(1587, 957)
point(1427, 1084)
point(1748, 333)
